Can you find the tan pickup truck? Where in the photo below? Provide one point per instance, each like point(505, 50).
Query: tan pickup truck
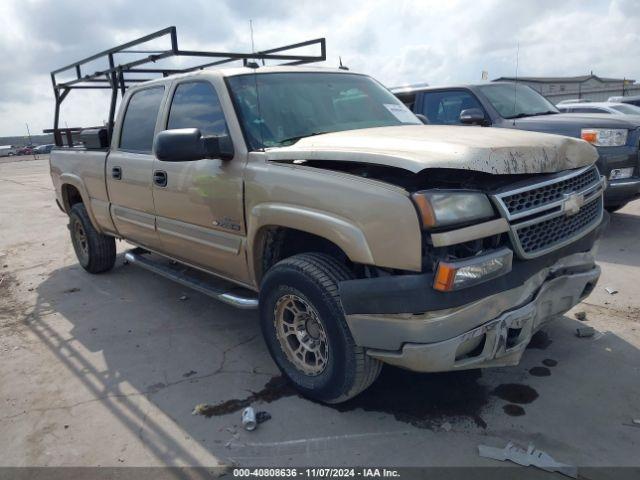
point(362, 236)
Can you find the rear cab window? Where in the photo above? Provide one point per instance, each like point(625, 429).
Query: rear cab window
point(139, 124)
point(444, 107)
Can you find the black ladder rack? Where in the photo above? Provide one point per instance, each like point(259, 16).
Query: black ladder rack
point(114, 77)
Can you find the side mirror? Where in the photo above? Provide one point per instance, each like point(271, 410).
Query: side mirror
point(472, 116)
point(422, 118)
point(187, 144)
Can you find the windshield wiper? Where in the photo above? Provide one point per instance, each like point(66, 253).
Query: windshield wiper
point(299, 137)
point(535, 114)
point(520, 115)
point(548, 112)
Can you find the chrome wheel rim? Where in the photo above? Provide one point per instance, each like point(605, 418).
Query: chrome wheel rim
point(80, 240)
point(301, 334)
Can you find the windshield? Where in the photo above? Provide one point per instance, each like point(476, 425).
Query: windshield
point(514, 101)
point(627, 109)
point(277, 109)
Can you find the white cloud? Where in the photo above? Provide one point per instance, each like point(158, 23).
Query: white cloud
point(397, 42)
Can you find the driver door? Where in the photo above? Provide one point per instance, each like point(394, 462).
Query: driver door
point(198, 203)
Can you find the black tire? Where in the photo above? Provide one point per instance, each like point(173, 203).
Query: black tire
point(96, 252)
point(614, 208)
point(314, 278)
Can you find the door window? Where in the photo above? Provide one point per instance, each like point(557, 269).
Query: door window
point(140, 118)
point(196, 105)
point(444, 108)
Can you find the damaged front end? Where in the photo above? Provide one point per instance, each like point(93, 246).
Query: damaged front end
point(518, 251)
point(509, 224)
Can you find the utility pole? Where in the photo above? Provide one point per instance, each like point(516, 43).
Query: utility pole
point(35, 155)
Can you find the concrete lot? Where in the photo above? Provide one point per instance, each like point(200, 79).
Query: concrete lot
point(105, 370)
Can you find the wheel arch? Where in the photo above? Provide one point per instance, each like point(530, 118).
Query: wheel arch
point(73, 190)
point(316, 228)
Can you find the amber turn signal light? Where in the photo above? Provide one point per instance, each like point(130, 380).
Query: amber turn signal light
point(456, 275)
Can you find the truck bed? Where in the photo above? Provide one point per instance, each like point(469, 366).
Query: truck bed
point(84, 170)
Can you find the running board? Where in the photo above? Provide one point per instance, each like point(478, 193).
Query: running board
point(236, 296)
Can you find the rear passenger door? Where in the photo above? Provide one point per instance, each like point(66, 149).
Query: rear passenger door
point(129, 169)
point(443, 107)
point(199, 208)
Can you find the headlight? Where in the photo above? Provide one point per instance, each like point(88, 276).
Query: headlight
point(605, 137)
point(619, 173)
point(440, 208)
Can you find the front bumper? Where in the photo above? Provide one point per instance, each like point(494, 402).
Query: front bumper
point(622, 191)
point(501, 341)
point(609, 158)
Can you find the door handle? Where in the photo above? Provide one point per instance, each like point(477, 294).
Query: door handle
point(160, 178)
point(116, 172)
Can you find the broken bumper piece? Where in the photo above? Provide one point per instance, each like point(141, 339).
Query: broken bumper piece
point(498, 342)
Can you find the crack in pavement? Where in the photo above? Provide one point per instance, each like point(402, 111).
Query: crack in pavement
point(150, 390)
point(46, 189)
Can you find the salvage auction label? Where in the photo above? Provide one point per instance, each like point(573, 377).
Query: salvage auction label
point(317, 472)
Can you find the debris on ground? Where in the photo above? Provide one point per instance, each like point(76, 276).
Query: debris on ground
point(582, 316)
point(446, 426)
point(234, 437)
point(611, 291)
point(249, 421)
point(584, 332)
point(529, 457)
point(201, 409)
point(183, 298)
point(262, 416)
point(190, 373)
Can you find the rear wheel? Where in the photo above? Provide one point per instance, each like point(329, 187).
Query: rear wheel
point(96, 252)
point(305, 330)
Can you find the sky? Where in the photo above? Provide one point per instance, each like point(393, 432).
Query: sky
point(397, 41)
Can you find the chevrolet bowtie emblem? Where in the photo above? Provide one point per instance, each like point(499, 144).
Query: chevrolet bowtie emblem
point(573, 202)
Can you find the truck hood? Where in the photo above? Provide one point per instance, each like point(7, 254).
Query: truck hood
point(417, 147)
point(582, 120)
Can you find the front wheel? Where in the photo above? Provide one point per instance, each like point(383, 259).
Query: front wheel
point(305, 330)
point(96, 252)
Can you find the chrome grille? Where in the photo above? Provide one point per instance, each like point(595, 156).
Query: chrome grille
point(530, 199)
point(547, 215)
point(546, 234)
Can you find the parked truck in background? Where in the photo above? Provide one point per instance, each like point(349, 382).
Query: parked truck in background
point(363, 236)
point(516, 106)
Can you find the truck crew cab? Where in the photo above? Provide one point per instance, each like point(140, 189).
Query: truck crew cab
point(362, 236)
